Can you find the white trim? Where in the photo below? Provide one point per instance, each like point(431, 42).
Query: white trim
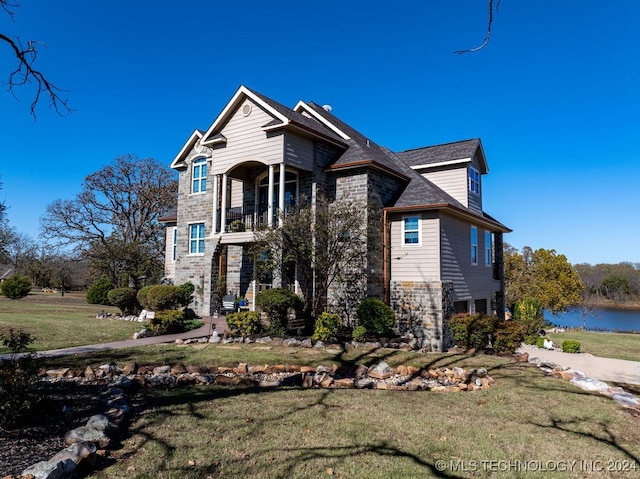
point(197, 238)
point(199, 161)
point(488, 248)
point(471, 244)
point(178, 161)
point(234, 103)
point(403, 231)
point(442, 163)
point(303, 106)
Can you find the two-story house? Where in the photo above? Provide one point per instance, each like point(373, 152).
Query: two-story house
point(436, 253)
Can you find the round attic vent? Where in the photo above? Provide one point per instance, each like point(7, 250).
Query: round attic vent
point(246, 109)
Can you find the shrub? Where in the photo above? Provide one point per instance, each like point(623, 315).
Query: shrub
point(164, 296)
point(143, 296)
point(98, 292)
point(327, 327)
point(276, 302)
point(570, 346)
point(529, 314)
point(186, 293)
point(540, 342)
point(125, 299)
point(167, 322)
point(508, 336)
point(16, 286)
point(376, 317)
point(18, 376)
point(246, 323)
point(471, 331)
point(359, 333)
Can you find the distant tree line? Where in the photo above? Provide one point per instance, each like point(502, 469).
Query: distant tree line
point(610, 283)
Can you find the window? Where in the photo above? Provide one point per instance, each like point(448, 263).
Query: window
point(411, 231)
point(174, 244)
point(196, 238)
point(474, 245)
point(488, 256)
point(474, 181)
point(199, 176)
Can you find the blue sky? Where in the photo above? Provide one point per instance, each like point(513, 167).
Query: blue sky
point(554, 97)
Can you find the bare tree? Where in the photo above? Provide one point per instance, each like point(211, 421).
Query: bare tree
point(485, 42)
point(25, 71)
point(116, 214)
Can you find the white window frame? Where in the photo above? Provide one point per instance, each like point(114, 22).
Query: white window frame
point(199, 176)
point(474, 245)
point(196, 239)
point(474, 180)
point(488, 248)
point(417, 230)
point(174, 244)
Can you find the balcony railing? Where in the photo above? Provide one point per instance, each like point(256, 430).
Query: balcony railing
point(241, 219)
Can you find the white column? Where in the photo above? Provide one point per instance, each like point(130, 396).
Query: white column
point(214, 217)
point(270, 198)
point(281, 196)
point(223, 206)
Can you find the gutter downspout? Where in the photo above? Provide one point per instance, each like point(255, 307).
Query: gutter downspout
point(385, 258)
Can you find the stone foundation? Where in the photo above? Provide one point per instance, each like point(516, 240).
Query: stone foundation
point(423, 310)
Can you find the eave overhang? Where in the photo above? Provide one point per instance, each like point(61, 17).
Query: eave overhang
point(368, 164)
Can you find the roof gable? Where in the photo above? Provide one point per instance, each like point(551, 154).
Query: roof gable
point(446, 154)
point(179, 160)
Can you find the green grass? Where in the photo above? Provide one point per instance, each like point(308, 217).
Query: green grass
point(211, 431)
point(57, 322)
point(608, 345)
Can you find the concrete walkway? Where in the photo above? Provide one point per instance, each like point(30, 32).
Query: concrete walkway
point(210, 324)
point(604, 369)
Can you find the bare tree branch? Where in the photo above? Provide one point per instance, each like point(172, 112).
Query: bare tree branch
point(486, 39)
point(25, 72)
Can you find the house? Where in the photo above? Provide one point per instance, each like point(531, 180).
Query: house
point(437, 251)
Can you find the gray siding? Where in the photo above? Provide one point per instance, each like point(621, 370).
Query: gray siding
point(475, 200)
point(298, 152)
point(470, 282)
point(452, 180)
point(416, 263)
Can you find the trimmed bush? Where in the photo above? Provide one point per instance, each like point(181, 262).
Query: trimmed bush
point(327, 327)
point(125, 299)
point(143, 296)
point(98, 292)
point(167, 322)
point(471, 331)
point(276, 302)
point(570, 346)
point(16, 286)
point(18, 377)
point(359, 334)
point(164, 296)
point(540, 342)
point(376, 317)
point(246, 323)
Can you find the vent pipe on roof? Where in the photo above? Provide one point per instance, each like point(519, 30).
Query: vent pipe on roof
point(327, 107)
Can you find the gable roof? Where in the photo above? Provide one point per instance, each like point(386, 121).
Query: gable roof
point(445, 154)
point(283, 117)
point(178, 161)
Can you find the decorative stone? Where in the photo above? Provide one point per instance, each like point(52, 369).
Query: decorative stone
point(50, 469)
point(215, 337)
point(87, 434)
point(162, 369)
point(78, 452)
point(380, 371)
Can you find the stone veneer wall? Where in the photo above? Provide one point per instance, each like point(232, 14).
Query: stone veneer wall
point(423, 310)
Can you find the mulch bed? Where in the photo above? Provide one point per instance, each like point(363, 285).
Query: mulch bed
point(39, 434)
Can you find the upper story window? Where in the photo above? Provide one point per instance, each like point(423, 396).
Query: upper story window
point(474, 245)
point(411, 231)
point(474, 180)
point(199, 176)
point(488, 250)
point(196, 238)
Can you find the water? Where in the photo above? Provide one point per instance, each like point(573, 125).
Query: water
point(598, 319)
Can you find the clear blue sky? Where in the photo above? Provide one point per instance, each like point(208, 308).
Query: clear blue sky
point(554, 97)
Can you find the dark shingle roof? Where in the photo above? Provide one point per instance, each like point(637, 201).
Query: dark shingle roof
point(439, 153)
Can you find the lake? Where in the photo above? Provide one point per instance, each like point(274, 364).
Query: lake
point(598, 319)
